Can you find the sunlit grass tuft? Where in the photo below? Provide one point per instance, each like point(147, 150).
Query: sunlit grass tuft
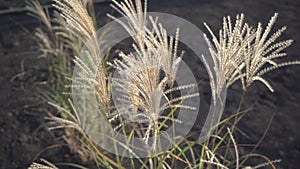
point(240, 53)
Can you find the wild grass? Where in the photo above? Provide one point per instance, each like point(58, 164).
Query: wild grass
point(46, 165)
point(245, 53)
point(59, 46)
point(240, 53)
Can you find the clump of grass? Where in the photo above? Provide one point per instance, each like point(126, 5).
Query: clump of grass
point(149, 73)
point(241, 53)
point(59, 45)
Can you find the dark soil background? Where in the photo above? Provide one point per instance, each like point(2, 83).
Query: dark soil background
point(23, 137)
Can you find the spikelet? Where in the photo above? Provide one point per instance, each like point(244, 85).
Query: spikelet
point(140, 73)
point(35, 9)
point(47, 165)
point(242, 52)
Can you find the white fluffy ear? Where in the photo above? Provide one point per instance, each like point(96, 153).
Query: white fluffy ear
point(76, 18)
point(46, 165)
point(155, 52)
point(136, 14)
point(258, 78)
point(229, 55)
point(242, 51)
